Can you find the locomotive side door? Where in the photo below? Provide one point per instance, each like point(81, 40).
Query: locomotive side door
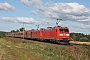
point(31, 34)
point(56, 33)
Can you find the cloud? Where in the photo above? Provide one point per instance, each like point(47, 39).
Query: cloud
point(6, 6)
point(47, 23)
point(65, 11)
point(36, 3)
point(78, 27)
point(6, 28)
point(72, 12)
point(19, 19)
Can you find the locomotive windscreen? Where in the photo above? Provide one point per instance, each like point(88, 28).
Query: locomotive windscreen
point(64, 30)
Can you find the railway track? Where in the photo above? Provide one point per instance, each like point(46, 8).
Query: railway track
point(50, 43)
point(70, 44)
point(79, 43)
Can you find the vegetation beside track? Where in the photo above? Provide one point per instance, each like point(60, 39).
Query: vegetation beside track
point(2, 34)
point(20, 49)
point(80, 37)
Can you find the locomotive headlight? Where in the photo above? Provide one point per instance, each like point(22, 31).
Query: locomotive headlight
point(67, 34)
point(61, 34)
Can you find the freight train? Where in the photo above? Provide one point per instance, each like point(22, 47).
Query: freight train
point(55, 34)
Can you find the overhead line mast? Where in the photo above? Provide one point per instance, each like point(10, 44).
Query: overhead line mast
point(23, 30)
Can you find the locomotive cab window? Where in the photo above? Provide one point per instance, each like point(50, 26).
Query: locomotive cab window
point(64, 30)
point(61, 30)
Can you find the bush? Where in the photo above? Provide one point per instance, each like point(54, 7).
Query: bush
point(80, 37)
point(2, 34)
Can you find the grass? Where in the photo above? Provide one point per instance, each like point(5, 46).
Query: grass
point(20, 49)
point(4, 53)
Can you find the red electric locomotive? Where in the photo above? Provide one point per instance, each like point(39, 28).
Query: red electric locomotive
point(57, 34)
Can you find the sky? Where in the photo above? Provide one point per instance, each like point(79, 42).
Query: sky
point(75, 14)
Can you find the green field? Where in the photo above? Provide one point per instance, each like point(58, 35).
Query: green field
point(21, 49)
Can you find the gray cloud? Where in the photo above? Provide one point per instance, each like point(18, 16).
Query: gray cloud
point(6, 6)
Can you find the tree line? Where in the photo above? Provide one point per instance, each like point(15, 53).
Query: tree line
point(18, 30)
point(2, 34)
point(80, 37)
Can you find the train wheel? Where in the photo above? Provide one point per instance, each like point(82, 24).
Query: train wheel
point(41, 40)
point(58, 42)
